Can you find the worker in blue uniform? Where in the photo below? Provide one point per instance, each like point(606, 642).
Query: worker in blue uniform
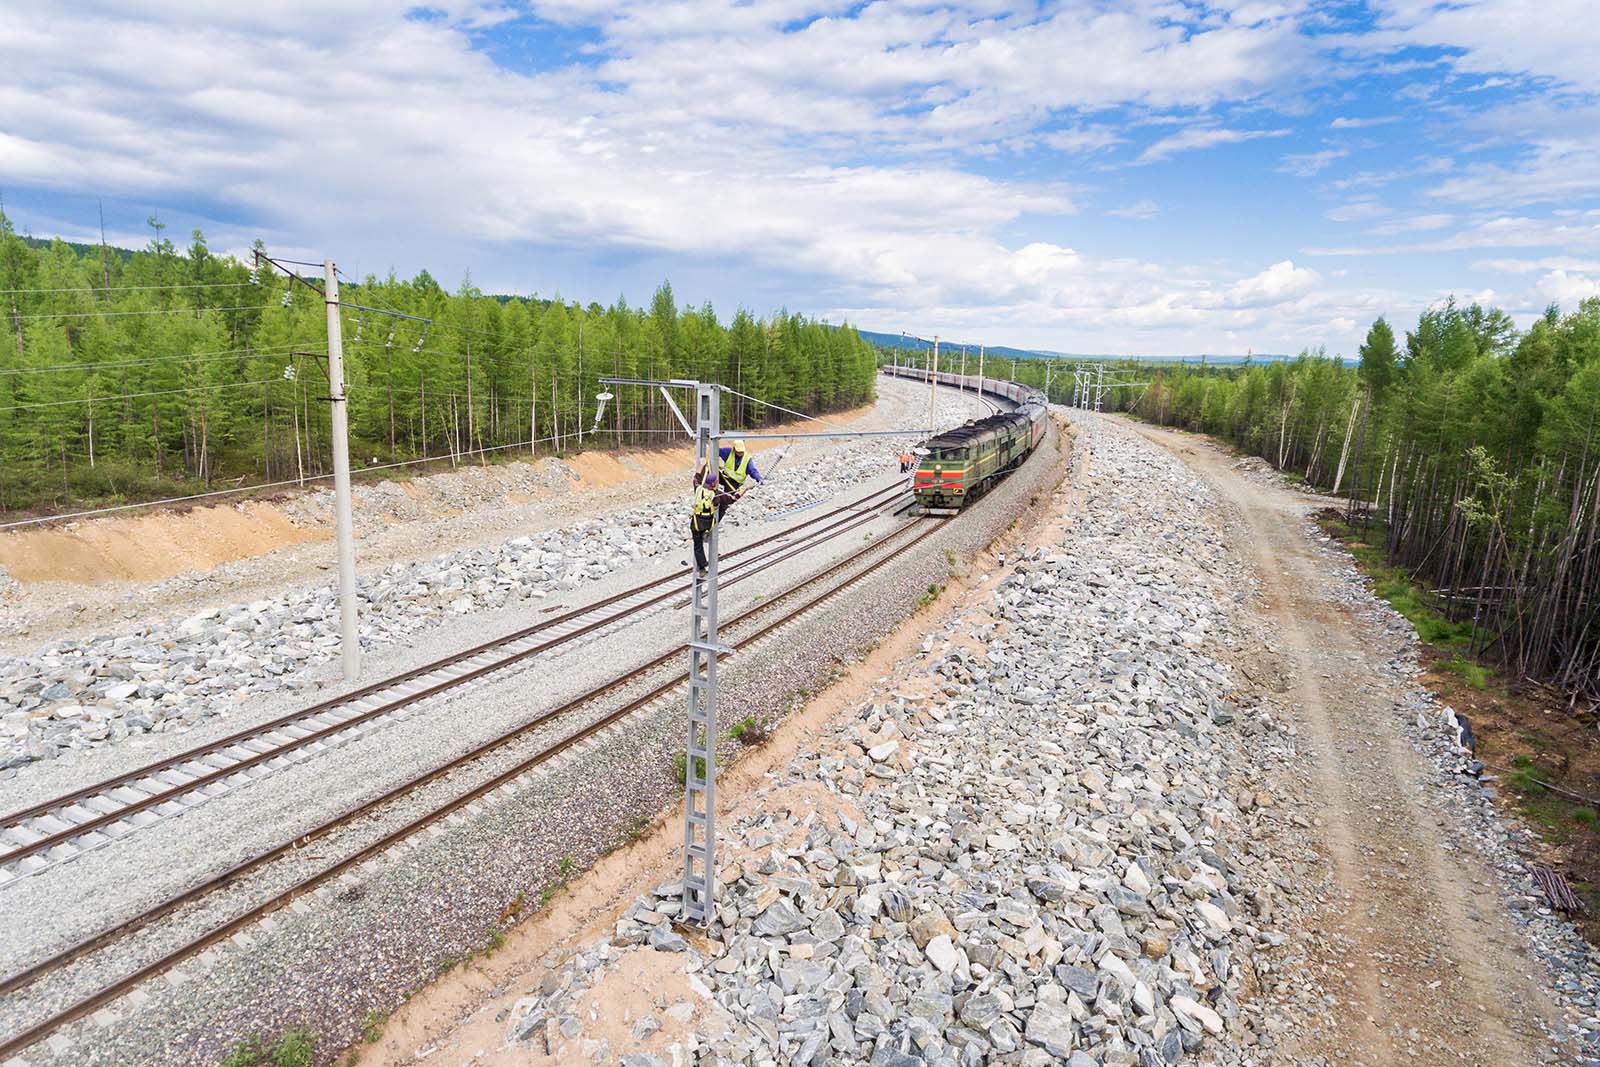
point(738, 472)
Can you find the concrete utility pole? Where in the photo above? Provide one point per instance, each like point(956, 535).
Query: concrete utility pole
point(980, 368)
point(933, 381)
point(344, 531)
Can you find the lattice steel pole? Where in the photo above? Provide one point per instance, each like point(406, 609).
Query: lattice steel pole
point(700, 758)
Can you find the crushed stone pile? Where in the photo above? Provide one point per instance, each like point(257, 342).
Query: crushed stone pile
point(1035, 851)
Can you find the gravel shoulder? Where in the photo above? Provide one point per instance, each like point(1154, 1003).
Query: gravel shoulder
point(361, 946)
point(1415, 953)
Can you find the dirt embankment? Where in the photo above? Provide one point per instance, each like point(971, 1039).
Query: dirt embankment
point(161, 543)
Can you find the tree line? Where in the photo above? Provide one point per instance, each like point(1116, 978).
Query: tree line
point(164, 372)
point(1473, 447)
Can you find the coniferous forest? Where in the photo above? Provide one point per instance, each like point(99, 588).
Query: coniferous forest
point(1471, 447)
point(167, 371)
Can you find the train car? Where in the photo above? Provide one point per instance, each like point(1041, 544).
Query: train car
point(957, 465)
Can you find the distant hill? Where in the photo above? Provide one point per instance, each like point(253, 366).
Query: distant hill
point(917, 344)
point(93, 251)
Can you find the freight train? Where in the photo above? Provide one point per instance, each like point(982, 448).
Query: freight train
point(956, 466)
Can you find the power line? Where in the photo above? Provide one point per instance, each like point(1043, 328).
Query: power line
point(116, 314)
point(779, 407)
point(133, 288)
point(194, 357)
point(113, 398)
point(286, 482)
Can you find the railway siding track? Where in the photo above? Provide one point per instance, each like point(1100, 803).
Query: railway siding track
point(505, 782)
point(65, 827)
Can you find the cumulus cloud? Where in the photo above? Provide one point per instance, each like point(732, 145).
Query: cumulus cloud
point(1566, 289)
point(841, 148)
point(1276, 284)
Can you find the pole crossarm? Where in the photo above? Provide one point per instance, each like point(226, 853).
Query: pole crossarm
point(675, 383)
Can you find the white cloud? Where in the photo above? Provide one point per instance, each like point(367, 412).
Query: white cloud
point(1310, 164)
point(1555, 170)
point(1197, 137)
point(1501, 231)
point(1530, 266)
point(1357, 211)
point(1276, 284)
point(1344, 122)
point(834, 160)
point(1081, 138)
point(1567, 289)
point(1142, 209)
point(1414, 224)
point(1553, 39)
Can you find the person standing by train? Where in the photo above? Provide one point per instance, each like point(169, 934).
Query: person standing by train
point(710, 500)
point(737, 471)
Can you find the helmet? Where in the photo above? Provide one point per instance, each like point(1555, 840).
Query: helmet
point(738, 445)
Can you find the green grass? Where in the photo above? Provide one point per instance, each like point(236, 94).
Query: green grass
point(1474, 674)
point(680, 766)
point(1392, 584)
point(372, 1026)
point(747, 731)
point(1525, 777)
point(294, 1049)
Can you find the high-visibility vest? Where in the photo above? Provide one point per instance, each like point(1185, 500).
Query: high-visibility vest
point(704, 512)
point(736, 468)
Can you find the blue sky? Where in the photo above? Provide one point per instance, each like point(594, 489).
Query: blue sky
point(1147, 177)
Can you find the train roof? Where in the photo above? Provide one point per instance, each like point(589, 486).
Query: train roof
point(966, 432)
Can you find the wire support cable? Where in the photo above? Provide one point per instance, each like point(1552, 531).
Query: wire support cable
point(130, 288)
point(187, 357)
point(113, 398)
point(155, 311)
point(308, 479)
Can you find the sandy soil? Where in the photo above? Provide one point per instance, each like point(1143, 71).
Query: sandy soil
point(80, 577)
point(1423, 963)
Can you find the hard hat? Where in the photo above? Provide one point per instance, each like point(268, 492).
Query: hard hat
point(738, 445)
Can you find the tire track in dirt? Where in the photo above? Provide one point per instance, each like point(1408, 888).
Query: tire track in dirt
point(1429, 968)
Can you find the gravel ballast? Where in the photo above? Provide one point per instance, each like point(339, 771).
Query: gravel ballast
point(230, 990)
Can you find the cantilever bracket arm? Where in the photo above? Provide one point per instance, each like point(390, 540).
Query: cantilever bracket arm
point(911, 432)
point(673, 404)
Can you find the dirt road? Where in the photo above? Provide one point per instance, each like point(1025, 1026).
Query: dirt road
point(1419, 958)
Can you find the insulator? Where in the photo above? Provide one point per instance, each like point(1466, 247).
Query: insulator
point(288, 372)
point(389, 341)
point(288, 297)
point(360, 323)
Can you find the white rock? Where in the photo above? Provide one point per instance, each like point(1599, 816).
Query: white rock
point(1197, 1014)
point(885, 752)
point(943, 954)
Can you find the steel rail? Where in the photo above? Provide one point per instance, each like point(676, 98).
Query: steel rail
point(197, 782)
point(115, 989)
point(30, 974)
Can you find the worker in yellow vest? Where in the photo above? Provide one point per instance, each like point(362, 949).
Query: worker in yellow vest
point(738, 471)
point(710, 500)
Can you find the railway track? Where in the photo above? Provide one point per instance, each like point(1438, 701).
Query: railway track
point(750, 627)
point(64, 827)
